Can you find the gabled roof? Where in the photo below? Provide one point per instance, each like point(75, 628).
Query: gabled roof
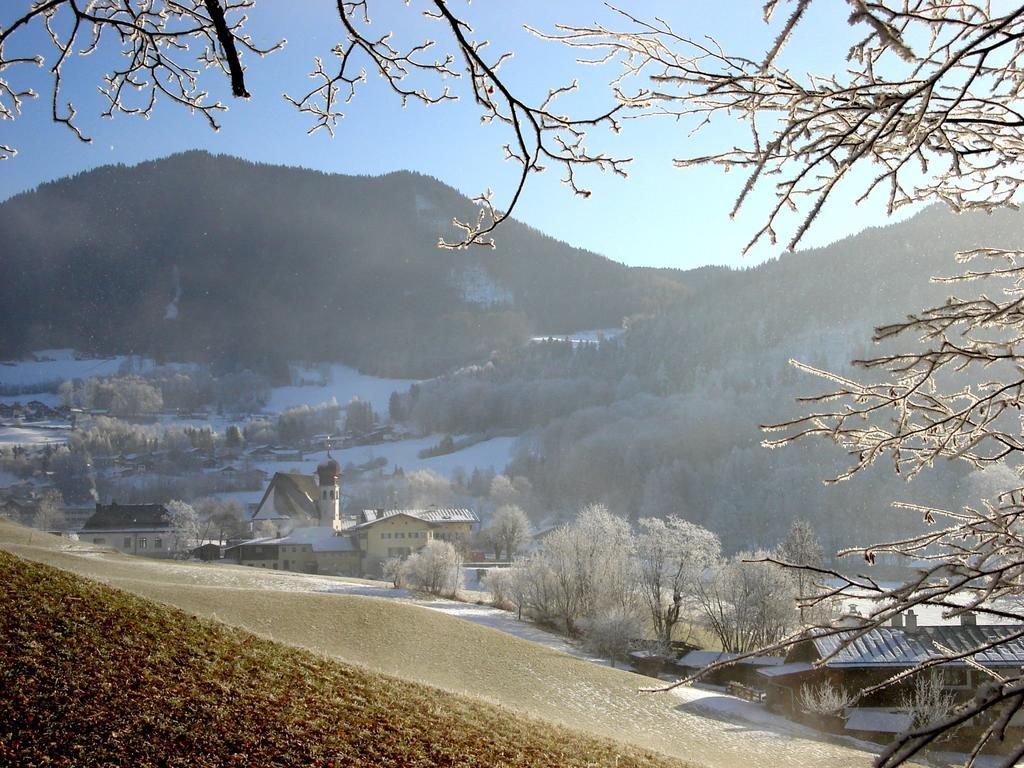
point(899, 647)
point(432, 515)
point(289, 496)
point(118, 517)
point(321, 538)
point(705, 658)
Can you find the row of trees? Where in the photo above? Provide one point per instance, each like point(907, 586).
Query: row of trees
point(169, 387)
point(601, 579)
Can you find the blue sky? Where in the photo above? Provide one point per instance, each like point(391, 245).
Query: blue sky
point(660, 216)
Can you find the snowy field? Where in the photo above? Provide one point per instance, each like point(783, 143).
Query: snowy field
point(496, 453)
point(32, 436)
point(582, 337)
point(343, 383)
point(50, 365)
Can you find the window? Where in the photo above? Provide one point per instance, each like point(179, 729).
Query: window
point(286, 564)
point(99, 540)
point(127, 542)
point(143, 543)
point(954, 677)
point(158, 543)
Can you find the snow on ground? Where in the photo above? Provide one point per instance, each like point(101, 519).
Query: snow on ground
point(496, 452)
point(32, 436)
point(343, 383)
point(61, 364)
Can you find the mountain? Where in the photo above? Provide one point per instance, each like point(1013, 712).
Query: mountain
point(204, 257)
point(666, 419)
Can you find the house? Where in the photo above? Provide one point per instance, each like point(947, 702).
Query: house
point(876, 655)
point(317, 549)
point(136, 529)
point(382, 534)
point(309, 535)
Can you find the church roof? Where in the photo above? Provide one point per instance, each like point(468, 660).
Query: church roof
point(289, 496)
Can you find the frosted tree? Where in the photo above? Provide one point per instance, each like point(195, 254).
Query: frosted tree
point(508, 531)
point(748, 604)
point(436, 569)
point(801, 547)
point(672, 555)
point(585, 571)
point(929, 700)
point(48, 515)
point(184, 524)
point(611, 636)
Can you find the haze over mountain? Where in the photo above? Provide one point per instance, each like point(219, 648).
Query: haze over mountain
point(207, 257)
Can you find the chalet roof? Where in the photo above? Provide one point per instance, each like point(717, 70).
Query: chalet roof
point(704, 658)
point(432, 515)
point(288, 496)
point(900, 647)
point(117, 517)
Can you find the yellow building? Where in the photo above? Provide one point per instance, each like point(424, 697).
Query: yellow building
point(382, 534)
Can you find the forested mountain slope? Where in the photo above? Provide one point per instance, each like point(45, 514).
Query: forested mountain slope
point(666, 418)
point(207, 257)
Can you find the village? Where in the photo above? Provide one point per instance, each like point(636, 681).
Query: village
point(298, 526)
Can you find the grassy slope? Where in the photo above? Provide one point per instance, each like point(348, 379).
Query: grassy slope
point(421, 645)
point(92, 675)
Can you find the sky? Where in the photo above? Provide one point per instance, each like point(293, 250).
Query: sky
point(661, 216)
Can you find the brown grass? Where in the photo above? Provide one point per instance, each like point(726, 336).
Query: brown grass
point(94, 676)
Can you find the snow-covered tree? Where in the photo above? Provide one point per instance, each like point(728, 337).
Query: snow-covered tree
point(436, 568)
point(929, 701)
point(672, 555)
point(584, 571)
point(184, 524)
point(508, 531)
point(801, 547)
point(49, 515)
point(824, 698)
point(611, 636)
point(748, 603)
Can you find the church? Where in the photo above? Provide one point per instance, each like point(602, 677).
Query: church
point(311, 536)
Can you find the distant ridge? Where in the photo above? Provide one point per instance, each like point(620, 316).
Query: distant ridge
point(207, 257)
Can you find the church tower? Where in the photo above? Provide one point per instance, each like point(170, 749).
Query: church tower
point(328, 474)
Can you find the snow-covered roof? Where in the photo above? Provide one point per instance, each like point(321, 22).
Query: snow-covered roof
point(289, 496)
point(428, 515)
point(786, 669)
point(900, 647)
point(704, 658)
point(321, 538)
point(878, 720)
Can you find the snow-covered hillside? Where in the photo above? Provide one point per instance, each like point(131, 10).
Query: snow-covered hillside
point(319, 384)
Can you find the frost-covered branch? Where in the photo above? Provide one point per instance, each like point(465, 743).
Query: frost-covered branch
point(420, 73)
point(929, 101)
point(165, 45)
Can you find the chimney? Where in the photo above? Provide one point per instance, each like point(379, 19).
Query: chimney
point(896, 620)
point(911, 620)
point(969, 619)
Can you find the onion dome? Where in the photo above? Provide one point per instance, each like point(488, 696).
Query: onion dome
point(328, 471)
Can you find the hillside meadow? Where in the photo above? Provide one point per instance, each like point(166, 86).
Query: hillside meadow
point(423, 646)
